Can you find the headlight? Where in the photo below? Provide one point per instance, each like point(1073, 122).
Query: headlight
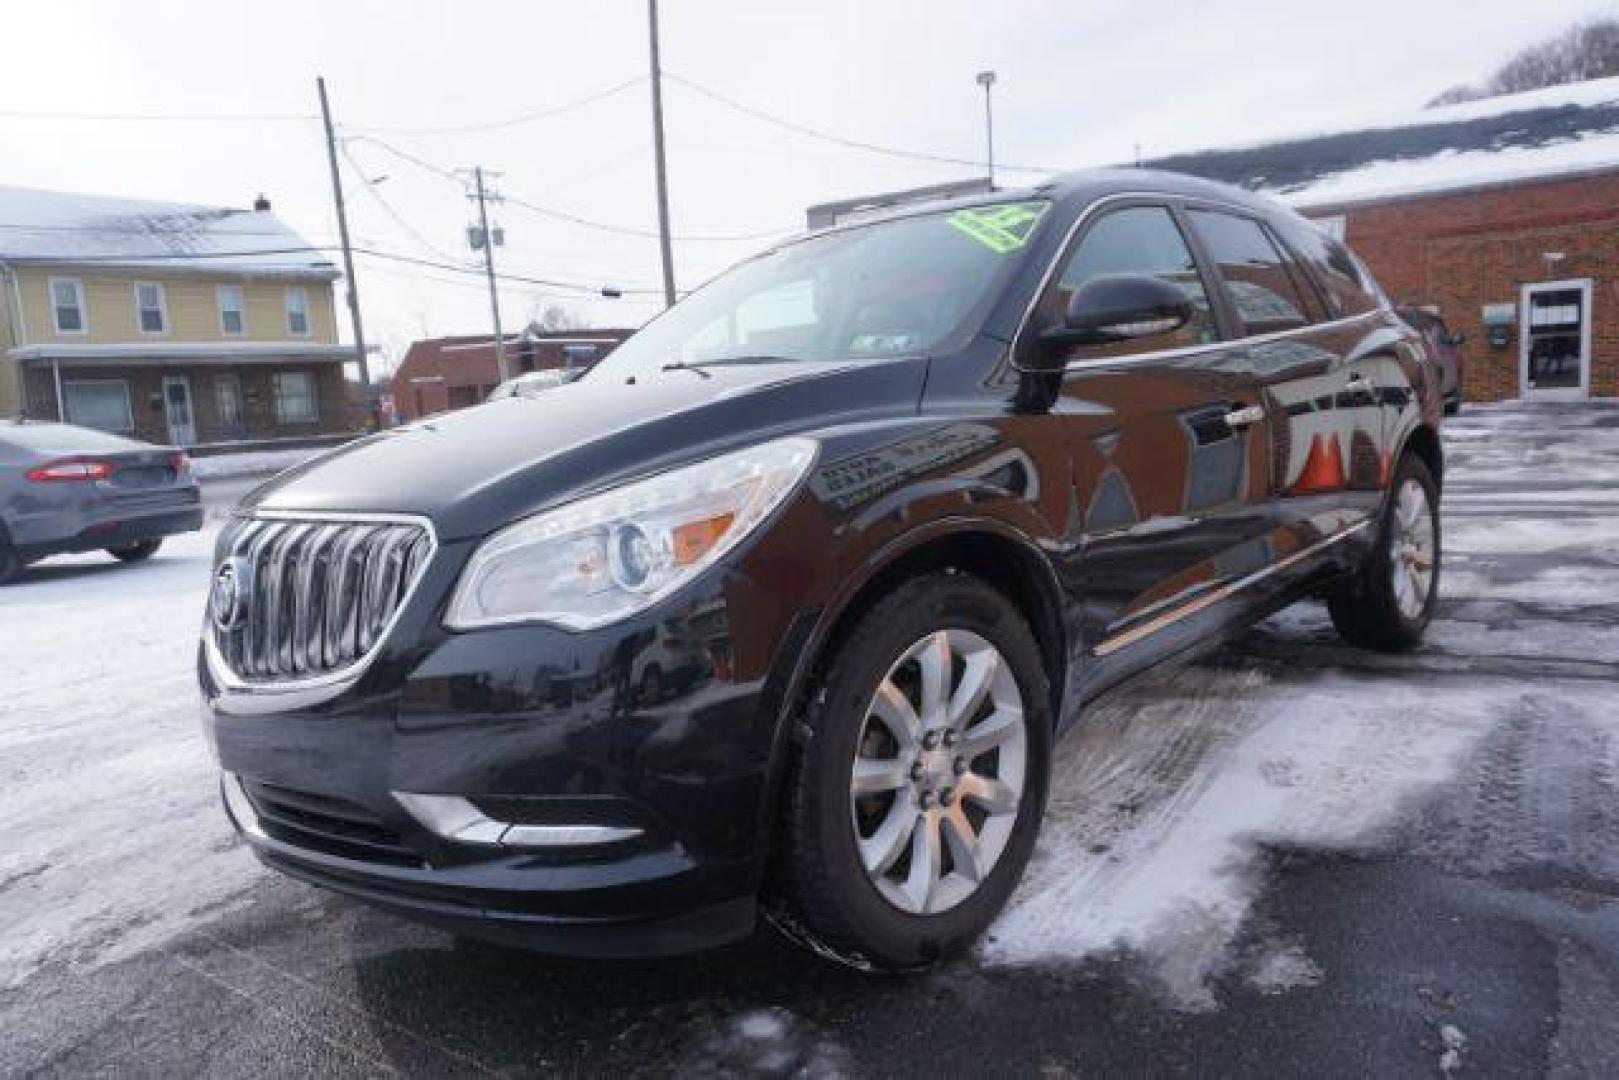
point(610, 555)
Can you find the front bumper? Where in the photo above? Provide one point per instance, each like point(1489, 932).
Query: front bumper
point(538, 728)
point(511, 900)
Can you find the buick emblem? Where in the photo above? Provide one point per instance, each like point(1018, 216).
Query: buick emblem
point(226, 602)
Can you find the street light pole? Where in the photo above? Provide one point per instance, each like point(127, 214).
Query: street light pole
point(986, 79)
point(662, 168)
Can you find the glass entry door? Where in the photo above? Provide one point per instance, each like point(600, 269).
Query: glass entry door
point(177, 404)
point(1556, 340)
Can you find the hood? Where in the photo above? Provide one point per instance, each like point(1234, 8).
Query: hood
point(477, 469)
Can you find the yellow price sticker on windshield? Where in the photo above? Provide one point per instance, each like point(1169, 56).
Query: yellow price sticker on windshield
point(1002, 229)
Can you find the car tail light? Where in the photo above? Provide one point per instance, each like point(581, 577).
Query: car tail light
point(71, 471)
point(180, 463)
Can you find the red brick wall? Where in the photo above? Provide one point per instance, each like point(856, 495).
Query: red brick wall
point(1469, 249)
point(452, 373)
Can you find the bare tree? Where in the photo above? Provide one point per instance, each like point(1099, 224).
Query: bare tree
point(1586, 50)
point(549, 315)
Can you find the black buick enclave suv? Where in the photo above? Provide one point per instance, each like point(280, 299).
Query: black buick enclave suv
point(780, 608)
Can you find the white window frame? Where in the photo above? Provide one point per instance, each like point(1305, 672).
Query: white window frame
point(314, 397)
point(220, 292)
point(162, 305)
point(123, 384)
point(302, 293)
point(78, 299)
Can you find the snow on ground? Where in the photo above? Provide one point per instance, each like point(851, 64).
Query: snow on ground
point(113, 835)
point(259, 463)
point(1164, 799)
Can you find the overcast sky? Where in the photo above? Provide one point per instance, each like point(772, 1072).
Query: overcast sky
point(1079, 84)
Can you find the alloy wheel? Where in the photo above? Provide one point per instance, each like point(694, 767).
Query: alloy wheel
point(939, 770)
point(1411, 549)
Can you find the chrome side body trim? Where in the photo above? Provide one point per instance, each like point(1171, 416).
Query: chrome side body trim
point(1197, 604)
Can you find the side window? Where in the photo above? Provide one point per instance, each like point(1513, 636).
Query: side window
point(1349, 290)
point(1135, 240)
point(1264, 293)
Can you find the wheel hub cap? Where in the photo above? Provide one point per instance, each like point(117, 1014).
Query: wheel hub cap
point(938, 774)
point(1412, 549)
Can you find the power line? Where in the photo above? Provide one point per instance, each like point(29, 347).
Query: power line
point(204, 118)
point(841, 140)
point(156, 261)
point(387, 207)
point(514, 121)
point(563, 215)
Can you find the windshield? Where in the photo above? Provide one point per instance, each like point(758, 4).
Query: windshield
point(901, 287)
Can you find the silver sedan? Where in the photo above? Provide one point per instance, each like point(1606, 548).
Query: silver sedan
point(69, 489)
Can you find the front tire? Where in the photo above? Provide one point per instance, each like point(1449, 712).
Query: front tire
point(1389, 603)
point(139, 551)
point(918, 781)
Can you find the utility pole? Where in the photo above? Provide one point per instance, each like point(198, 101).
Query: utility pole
point(986, 79)
point(663, 171)
point(483, 195)
point(366, 388)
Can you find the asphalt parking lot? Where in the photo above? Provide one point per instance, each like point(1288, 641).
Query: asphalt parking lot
point(1291, 857)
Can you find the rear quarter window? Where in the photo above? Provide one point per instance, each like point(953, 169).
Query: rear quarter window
point(1349, 289)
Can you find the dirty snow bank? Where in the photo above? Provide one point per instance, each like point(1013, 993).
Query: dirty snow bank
point(1161, 805)
point(258, 463)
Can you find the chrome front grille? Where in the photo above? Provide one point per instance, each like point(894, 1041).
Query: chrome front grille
point(313, 596)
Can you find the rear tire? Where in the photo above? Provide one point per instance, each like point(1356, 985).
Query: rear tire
point(136, 552)
point(1390, 601)
point(917, 779)
point(10, 562)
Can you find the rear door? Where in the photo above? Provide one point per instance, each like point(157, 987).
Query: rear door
point(1322, 402)
point(1170, 448)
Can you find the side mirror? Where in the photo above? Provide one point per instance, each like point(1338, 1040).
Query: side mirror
point(1118, 307)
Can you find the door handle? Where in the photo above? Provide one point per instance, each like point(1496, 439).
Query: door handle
point(1241, 418)
point(1359, 384)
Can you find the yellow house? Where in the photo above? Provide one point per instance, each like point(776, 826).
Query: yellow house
point(176, 324)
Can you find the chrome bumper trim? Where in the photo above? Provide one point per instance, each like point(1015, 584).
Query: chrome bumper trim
point(455, 818)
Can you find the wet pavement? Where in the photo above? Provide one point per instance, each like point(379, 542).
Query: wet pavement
point(1290, 857)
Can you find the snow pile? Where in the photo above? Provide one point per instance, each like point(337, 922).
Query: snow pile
point(1450, 171)
point(256, 463)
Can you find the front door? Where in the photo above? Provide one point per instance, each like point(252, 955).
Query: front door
point(177, 409)
point(1555, 347)
point(1171, 448)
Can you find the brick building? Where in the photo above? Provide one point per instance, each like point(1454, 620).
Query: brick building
point(1502, 215)
point(439, 374)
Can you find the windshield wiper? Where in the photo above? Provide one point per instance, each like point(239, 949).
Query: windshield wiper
point(727, 361)
point(681, 365)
